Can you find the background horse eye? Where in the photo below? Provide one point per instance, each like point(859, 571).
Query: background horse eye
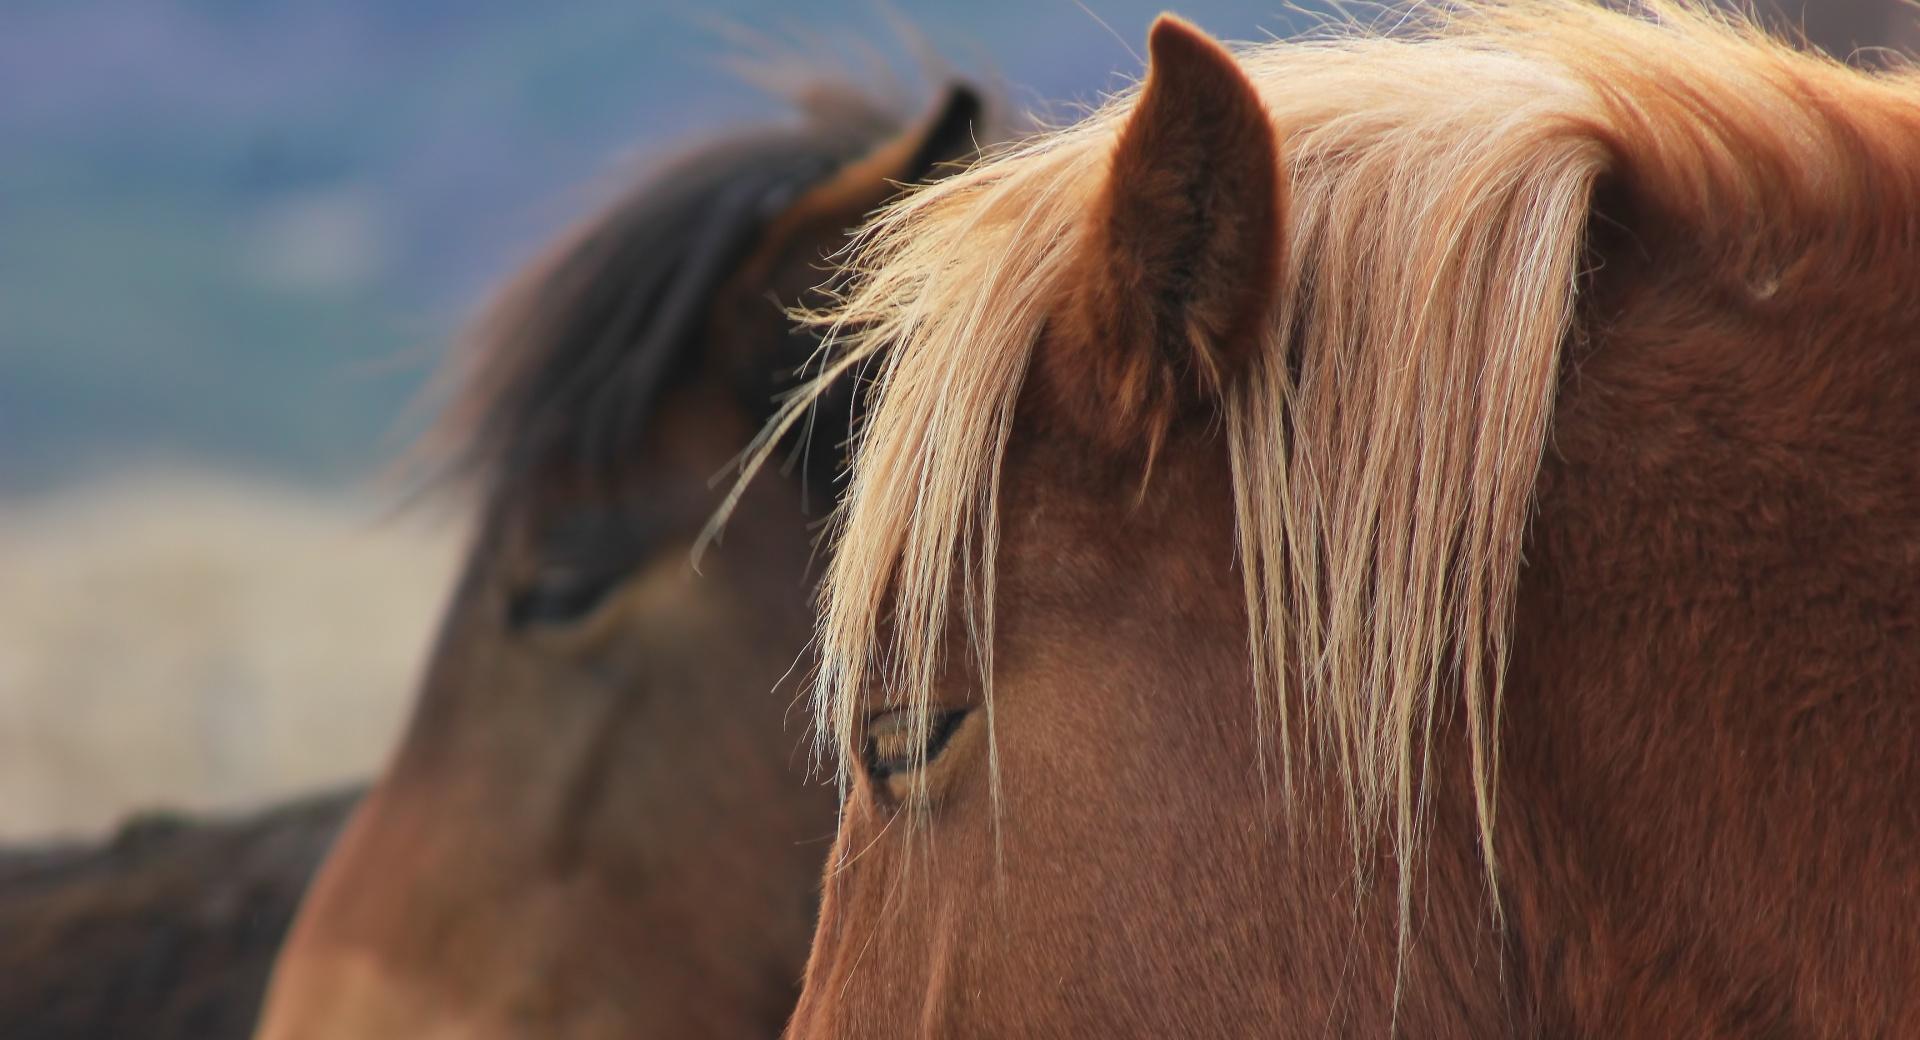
point(891, 749)
point(561, 594)
point(583, 557)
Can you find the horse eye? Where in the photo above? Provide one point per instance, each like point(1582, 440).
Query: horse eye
point(891, 748)
point(560, 594)
point(580, 557)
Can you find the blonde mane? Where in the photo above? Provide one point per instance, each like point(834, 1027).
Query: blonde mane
point(1385, 447)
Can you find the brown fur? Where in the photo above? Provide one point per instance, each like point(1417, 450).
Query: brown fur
point(1710, 765)
point(1652, 405)
point(597, 824)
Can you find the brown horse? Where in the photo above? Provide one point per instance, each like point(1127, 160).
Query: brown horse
point(1324, 447)
point(597, 824)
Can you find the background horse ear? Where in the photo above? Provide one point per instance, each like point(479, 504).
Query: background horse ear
point(761, 346)
point(792, 254)
point(1181, 258)
point(820, 219)
point(948, 137)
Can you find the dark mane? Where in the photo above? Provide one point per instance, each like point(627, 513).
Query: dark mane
point(567, 361)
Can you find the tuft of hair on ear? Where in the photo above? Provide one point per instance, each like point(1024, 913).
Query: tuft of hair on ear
point(1180, 262)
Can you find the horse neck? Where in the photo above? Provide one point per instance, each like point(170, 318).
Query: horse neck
point(1715, 654)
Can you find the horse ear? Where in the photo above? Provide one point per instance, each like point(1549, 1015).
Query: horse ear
point(754, 336)
point(791, 257)
point(845, 200)
point(1181, 257)
point(948, 136)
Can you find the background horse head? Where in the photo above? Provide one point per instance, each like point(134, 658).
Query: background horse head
point(597, 824)
point(1322, 448)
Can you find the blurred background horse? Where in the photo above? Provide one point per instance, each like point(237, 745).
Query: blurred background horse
point(598, 823)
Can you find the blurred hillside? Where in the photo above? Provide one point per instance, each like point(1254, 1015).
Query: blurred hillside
point(190, 641)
